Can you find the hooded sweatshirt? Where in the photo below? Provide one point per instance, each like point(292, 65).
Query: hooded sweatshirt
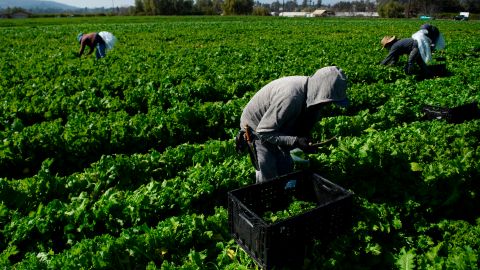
point(424, 43)
point(278, 111)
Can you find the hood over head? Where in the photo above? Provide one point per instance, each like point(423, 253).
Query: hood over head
point(426, 26)
point(328, 84)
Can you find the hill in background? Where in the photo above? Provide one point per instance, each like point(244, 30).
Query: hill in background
point(35, 4)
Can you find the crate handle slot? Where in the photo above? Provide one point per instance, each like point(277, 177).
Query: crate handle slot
point(246, 219)
point(325, 187)
point(328, 186)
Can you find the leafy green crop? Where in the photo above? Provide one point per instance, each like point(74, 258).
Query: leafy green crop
point(295, 208)
point(125, 162)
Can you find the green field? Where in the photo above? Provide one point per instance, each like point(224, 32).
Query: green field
point(125, 162)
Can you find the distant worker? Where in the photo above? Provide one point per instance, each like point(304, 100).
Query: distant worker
point(281, 115)
point(428, 39)
point(435, 36)
point(406, 46)
point(103, 41)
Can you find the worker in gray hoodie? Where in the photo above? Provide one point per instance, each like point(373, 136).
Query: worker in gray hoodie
point(281, 115)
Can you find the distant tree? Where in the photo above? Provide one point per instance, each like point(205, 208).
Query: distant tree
point(238, 7)
point(471, 6)
point(415, 7)
point(139, 7)
point(391, 9)
point(218, 6)
point(165, 7)
point(430, 7)
point(130, 10)
point(12, 10)
point(304, 4)
point(343, 6)
point(150, 7)
point(363, 6)
point(205, 7)
point(319, 4)
point(449, 5)
point(261, 11)
point(291, 5)
point(275, 6)
point(184, 7)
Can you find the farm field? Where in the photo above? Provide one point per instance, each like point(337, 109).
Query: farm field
point(125, 162)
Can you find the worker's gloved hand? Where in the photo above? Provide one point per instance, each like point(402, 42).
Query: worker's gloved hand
point(240, 142)
point(409, 69)
point(305, 144)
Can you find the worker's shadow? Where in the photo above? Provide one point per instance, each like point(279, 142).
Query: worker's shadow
point(444, 74)
point(454, 115)
point(438, 69)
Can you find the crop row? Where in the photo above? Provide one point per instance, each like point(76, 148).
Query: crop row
point(125, 162)
point(82, 138)
point(117, 192)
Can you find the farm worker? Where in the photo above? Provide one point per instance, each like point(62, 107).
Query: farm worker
point(103, 41)
point(428, 39)
point(435, 36)
point(397, 48)
point(280, 116)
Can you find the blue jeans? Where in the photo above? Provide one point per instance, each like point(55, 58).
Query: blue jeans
point(274, 161)
point(100, 52)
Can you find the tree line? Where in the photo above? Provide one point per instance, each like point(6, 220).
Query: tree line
point(412, 8)
point(203, 7)
point(385, 8)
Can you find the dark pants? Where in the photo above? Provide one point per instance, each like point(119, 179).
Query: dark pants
point(101, 47)
point(273, 161)
point(415, 57)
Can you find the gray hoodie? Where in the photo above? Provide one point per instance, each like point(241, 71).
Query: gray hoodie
point(277, 111)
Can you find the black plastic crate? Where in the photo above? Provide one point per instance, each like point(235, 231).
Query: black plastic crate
point(282, 244)
point(439, 68)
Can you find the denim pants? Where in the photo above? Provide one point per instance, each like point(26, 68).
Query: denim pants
point(273, 161)
point(100, 52)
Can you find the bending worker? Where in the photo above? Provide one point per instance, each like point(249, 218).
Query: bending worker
point(102, 41)
point(406, 46)
point(428, 39)
point(281, 114)
point(437, 41)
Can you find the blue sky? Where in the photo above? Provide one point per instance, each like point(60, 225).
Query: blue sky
point(121, 3)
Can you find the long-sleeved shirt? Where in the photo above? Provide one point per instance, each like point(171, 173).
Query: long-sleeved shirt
point(406, 46)
point(91, 40)
point(436, 38)
point(278, 113)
